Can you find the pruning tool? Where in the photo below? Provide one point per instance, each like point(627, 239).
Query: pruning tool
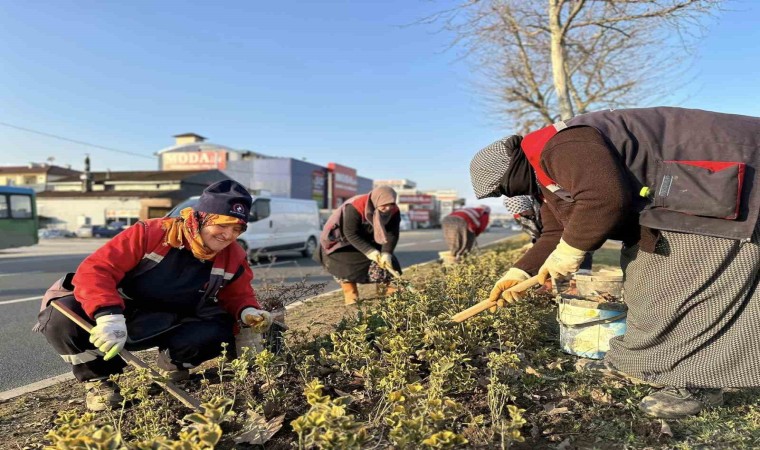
point(487, 304)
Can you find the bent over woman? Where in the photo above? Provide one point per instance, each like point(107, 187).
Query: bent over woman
point(358, 240)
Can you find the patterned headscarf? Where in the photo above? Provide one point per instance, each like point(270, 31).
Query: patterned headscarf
point(187, 229)
point(518, 204)
point(502, 169)
point(380, 196)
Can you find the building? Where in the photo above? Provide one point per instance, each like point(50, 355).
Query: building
point(280, 176)
point(99, 198)
point(34, 175)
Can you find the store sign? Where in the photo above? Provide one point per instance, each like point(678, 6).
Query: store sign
point(344, 181)
point(422, 199)
point(419, 215)
point(210, 159)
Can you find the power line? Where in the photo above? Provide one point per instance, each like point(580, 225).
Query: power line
point(54, 136)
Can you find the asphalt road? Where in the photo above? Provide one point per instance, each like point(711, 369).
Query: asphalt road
point(26, 273)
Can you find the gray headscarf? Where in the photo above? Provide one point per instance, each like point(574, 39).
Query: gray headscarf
point(380, 196)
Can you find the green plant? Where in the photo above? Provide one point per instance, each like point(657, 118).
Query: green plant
point(416, 419)
point(327, 425)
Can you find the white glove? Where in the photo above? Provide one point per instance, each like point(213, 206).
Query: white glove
point(563, 261)
point(259, 320)
point(374, 255)
point(501, 293)
point(386, 261)
point(109, 334)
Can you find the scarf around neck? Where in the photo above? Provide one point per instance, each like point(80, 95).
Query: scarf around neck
point(186, 229)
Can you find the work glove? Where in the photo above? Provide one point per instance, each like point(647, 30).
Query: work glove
point(109, 334)
point(386, 262)
point(374, 255)
point(259, 320)
point(500, 294)
point(563, 261)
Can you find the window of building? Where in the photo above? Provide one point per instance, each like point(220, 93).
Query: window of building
point(21, 206)
point(30, 179)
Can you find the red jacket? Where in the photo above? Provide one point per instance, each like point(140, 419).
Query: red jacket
point(476, 218)
point(141, 247)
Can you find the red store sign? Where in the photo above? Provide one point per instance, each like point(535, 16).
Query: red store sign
point(212, 159)
point(344, 182)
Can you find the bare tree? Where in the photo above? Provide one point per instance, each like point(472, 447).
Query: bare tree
point(549, 59)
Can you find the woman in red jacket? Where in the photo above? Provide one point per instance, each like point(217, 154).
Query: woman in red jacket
point(463, 226)
point(179, 284)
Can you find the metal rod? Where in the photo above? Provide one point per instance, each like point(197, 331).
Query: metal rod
point(181, 395)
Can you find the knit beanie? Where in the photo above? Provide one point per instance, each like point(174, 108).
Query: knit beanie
point(227, 198)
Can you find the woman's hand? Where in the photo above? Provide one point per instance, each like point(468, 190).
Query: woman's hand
point(109, 334)
point(386, 261)
point(259, 320)
point(500, 294)
point(563, 261)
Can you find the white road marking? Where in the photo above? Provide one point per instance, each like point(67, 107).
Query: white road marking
point(407, 244)
point(19, 273)
point(19, 300)
point(274, 264)
point(436, 240)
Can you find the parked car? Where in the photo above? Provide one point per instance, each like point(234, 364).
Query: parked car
point(85, 231)
point(275, 225)
point(109, 231)
point(45, 233)
point(406, 222)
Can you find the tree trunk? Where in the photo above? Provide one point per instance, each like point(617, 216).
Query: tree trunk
point(558, 61)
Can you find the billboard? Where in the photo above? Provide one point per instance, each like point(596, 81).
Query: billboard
point(419, 215)
point(204, 160)
point(318, 187)
point(421, 199)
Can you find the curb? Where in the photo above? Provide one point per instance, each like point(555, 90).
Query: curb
point(42, 384)
point(36, 386)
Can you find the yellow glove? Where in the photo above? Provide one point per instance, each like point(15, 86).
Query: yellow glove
point(563, 261)
point(374, 255)
point(499, 293)
point(386, 261)
point(259, 320)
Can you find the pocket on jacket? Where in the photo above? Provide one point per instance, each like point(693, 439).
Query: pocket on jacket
point(700, 188)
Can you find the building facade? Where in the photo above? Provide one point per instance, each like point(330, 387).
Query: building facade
point(34, 175)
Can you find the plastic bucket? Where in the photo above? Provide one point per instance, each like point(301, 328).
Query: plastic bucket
point(599, 283)
point(586, 327)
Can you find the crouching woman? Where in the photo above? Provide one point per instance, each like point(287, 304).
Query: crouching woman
point(180, 284)
point(358, 240)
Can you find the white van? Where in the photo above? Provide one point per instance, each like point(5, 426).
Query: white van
point(276, 224)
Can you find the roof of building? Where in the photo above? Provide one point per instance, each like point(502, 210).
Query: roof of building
point(190, 134)
point(198, 147)
point(41, 168)
point(136, 175)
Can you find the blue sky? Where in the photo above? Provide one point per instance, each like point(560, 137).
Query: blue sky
point(343, 81)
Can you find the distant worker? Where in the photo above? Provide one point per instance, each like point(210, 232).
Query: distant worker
point(462, 227)
point(180, 284)
point(358, 241)
point(679, 187)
